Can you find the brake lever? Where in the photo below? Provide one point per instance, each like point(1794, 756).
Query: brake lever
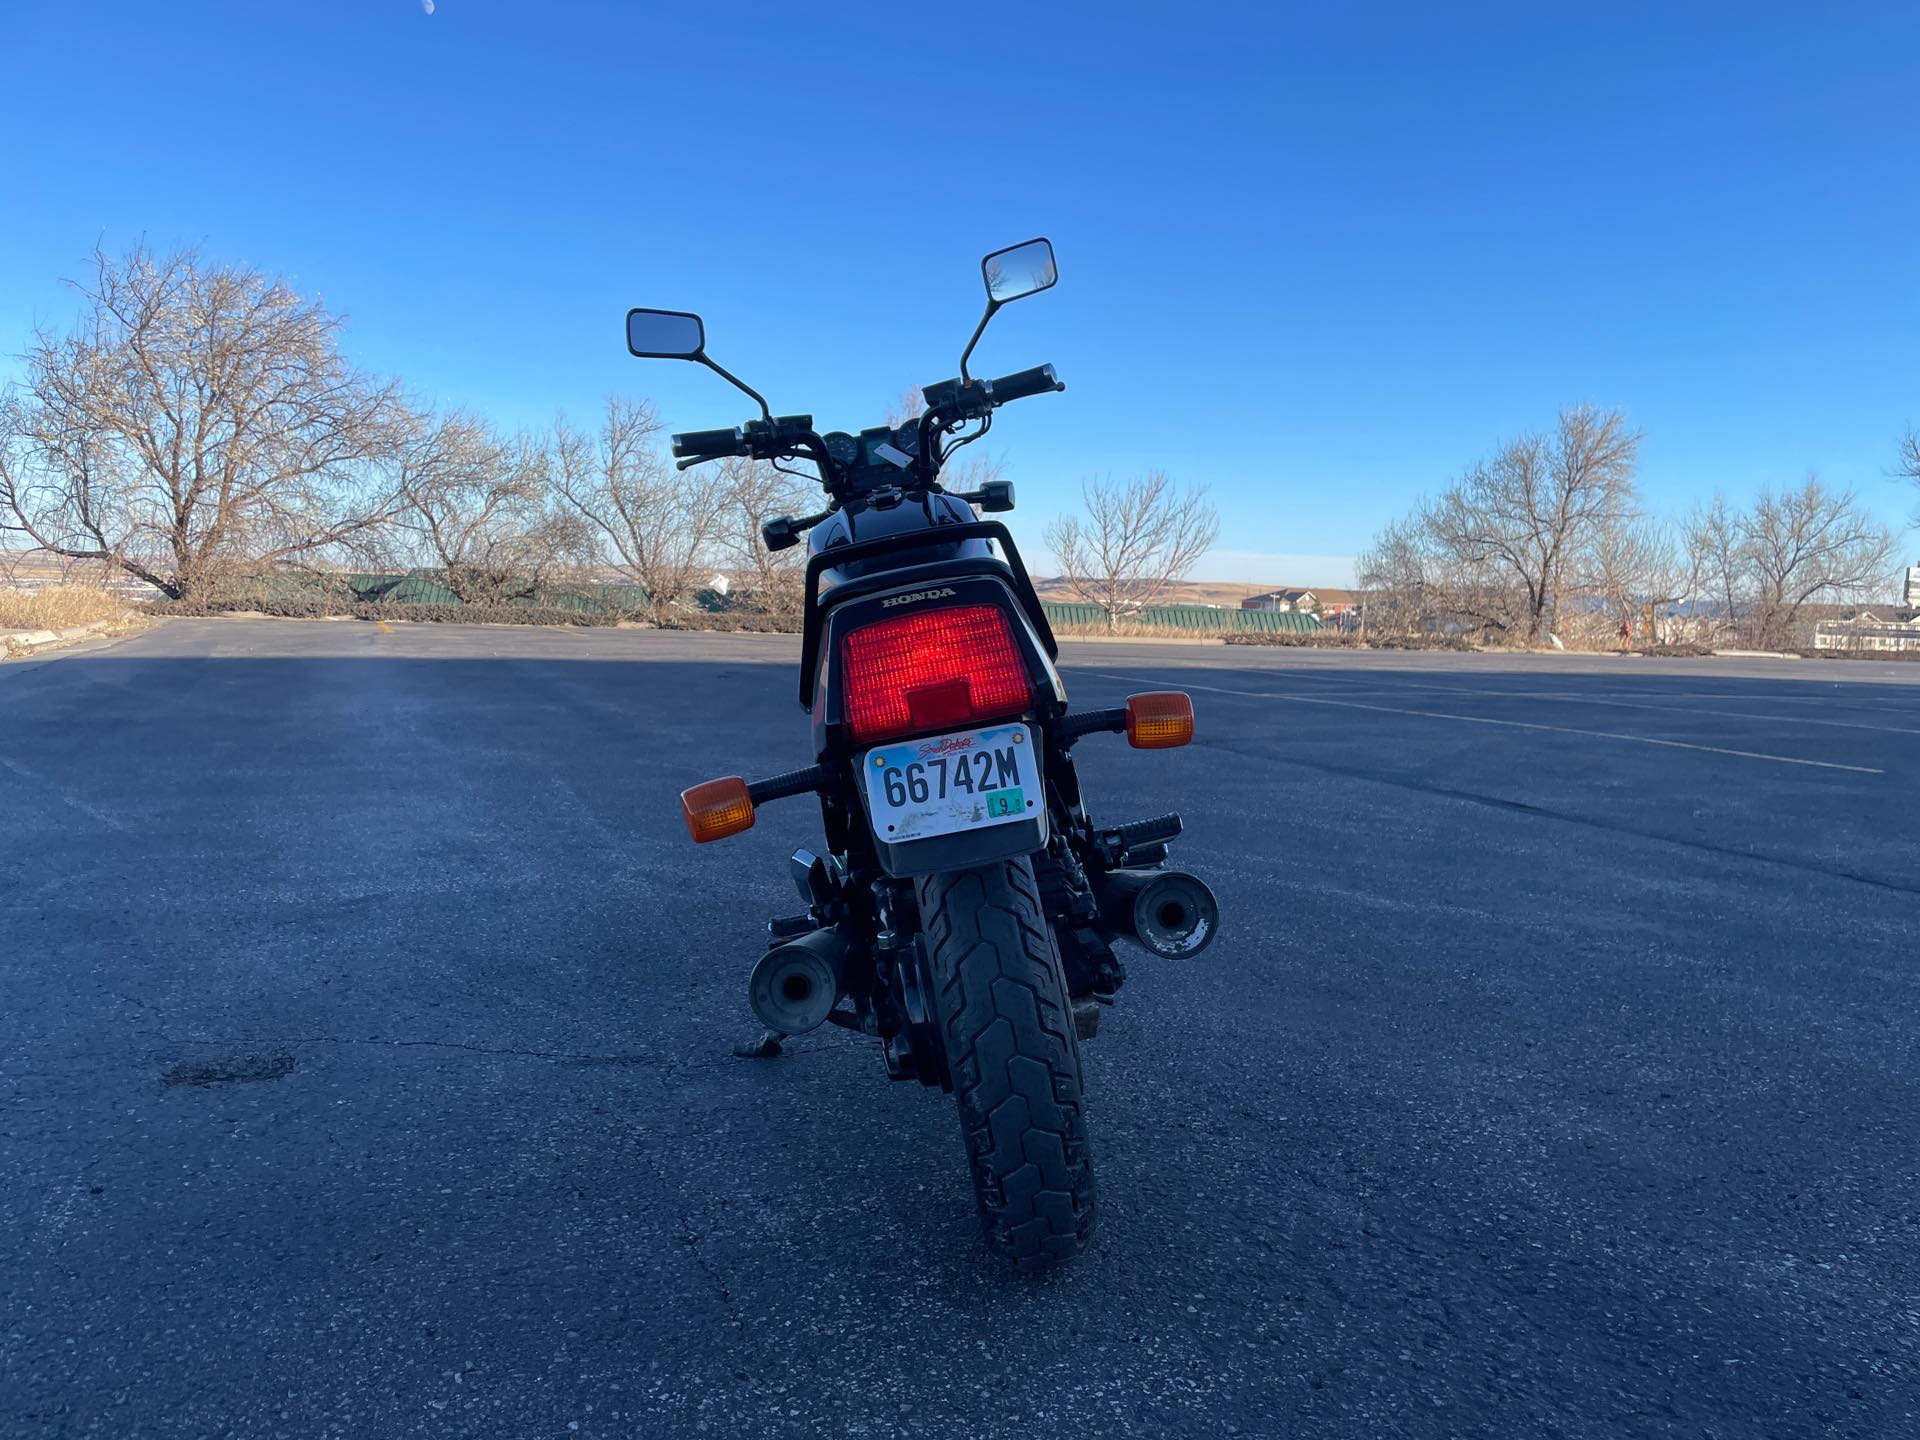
point(783, 531)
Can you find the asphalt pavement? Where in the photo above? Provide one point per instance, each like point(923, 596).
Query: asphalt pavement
point(365, 1027)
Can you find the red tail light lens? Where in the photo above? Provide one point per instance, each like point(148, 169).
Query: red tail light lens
point(933, 669)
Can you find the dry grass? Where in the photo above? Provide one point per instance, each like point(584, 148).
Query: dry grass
point(54, 607)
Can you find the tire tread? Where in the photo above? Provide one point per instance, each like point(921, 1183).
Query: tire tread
point(1002, 1003)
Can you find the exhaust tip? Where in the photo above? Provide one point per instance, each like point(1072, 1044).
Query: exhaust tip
point(794, 987)
point(1175, 915)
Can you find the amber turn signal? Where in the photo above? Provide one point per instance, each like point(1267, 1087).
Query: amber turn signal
point(717, 809)
point(1159, 720)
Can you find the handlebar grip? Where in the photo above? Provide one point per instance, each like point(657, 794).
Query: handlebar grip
point(708, 442)
point(1023, 383)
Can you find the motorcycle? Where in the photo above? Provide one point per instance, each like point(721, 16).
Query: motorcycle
point(966, 905)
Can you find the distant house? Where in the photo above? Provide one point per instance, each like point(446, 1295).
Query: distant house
point(1303, 600)
point(1324, 603)
point(1864, 630)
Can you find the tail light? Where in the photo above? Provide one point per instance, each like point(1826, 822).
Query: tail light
point(931, 670)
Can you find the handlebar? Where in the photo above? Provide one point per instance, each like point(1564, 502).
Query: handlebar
point(950, 403)
point(1023, 383)
point(709, 443)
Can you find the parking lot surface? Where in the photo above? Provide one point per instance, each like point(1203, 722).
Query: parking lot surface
point(365, 1066)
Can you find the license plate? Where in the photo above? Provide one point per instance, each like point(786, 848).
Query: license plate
point(944, 783)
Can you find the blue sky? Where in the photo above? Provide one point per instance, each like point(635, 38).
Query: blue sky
point(1318, 257)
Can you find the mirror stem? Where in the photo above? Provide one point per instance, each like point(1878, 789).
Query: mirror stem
point(739, 384)
point(978, 331)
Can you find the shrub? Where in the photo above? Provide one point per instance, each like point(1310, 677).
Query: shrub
point(285, 608)
point(1423, 642)
point(294, 607)
point(1349, 640)
point(1310, 639)
point(1679, 651)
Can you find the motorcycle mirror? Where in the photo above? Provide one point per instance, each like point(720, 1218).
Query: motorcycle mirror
point(665, 335)
point(1011, 274)
point(1019, 271)
point(681, 335)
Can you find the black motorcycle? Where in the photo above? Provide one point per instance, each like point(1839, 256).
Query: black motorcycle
point(965, 908)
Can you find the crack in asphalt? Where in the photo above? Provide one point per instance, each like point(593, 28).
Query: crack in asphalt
point(571, 1057)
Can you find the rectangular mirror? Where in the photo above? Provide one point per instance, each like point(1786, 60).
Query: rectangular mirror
point(665, 335)
point(1019, 270)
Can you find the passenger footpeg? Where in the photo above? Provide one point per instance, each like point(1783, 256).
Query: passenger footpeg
point(1124, 844)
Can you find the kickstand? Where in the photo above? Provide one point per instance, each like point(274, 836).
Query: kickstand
point(767, 1047)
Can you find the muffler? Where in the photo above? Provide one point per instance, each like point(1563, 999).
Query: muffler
point(1168, 912)
point(795, 986)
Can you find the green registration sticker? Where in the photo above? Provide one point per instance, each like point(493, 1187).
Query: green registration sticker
point(1006, 802)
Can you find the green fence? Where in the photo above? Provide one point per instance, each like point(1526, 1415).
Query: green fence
point(1197, 618)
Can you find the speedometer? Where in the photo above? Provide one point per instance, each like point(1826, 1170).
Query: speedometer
point(844, 449)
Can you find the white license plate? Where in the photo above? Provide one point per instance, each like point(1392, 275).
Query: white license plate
point(943, 783)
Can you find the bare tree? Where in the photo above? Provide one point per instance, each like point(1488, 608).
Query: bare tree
point(1416, 583)
point(1806, 545)
point(751, 493)
point(198, 420)
point(1530, 510)
point(1907, 464)
point(1717, 577)
point(658, 523)
point(1139, 536)
point(479, 509)
point(1398, 579)
point(1635, 570)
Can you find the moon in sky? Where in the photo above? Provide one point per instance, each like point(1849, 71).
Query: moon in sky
point(427, 5)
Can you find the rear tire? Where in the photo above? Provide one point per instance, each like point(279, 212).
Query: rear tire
point(1000, 999)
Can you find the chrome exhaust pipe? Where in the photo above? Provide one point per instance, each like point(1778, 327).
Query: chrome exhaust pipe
point(1169, 913)
point(795, 986)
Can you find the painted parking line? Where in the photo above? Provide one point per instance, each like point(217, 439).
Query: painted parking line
point(61, 793)
point(1508, 724)
point(1387, 679)
point(1575, 697)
